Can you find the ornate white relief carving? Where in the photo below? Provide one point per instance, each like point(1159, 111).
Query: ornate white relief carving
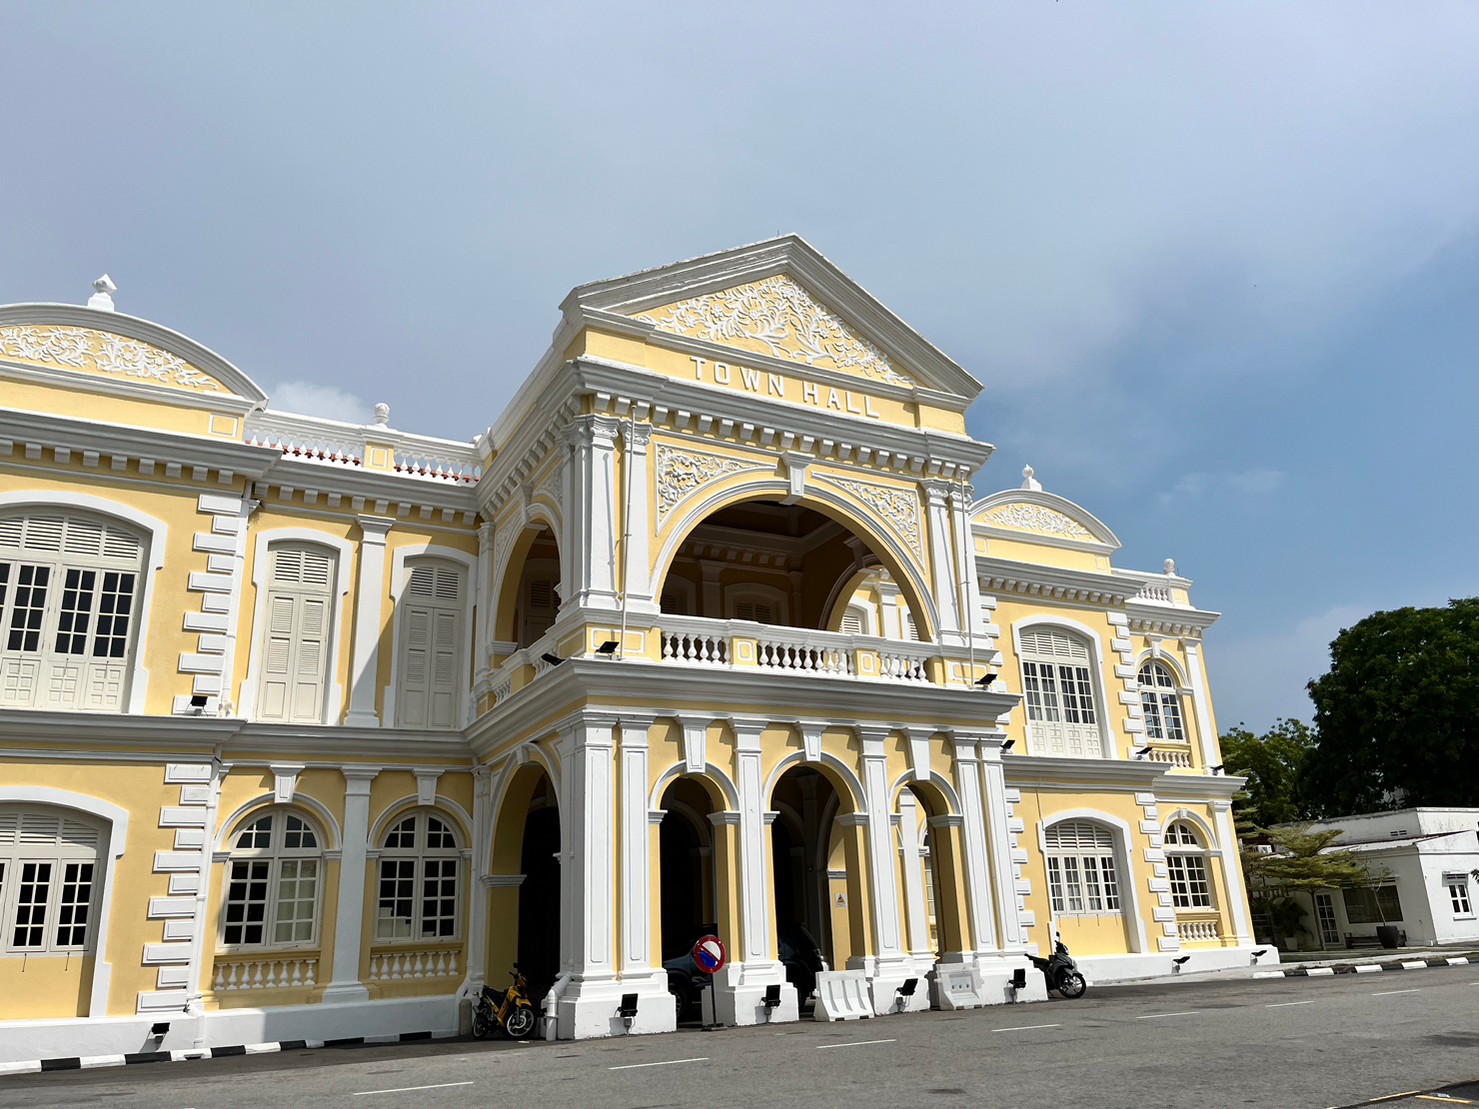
point(780, 314)
point(1035, 517)
point(680, 472)
point(551, 485)
point(899, 507)
point(82, 348)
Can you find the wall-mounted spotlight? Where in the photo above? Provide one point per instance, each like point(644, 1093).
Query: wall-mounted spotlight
point(906, 991)
point(159, 1031)
point(197, 704)
point(1019, 981)
point(772, 998)
point(1179, 963)
point(1262, 951)
point(1142, 752)
point(985, 680)
point(608, 648)
point(1218, 768)
point(1008, 745)
point(628, 1009)
point(553, 660)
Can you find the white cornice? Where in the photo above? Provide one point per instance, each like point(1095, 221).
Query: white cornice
point(1000, 575)
point(132, 442)
point(1197, 787)
point(1107, 774)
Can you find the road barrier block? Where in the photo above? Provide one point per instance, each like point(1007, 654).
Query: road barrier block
point(957, 986)
point(842, 995)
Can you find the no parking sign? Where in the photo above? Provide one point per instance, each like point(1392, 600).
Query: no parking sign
point(709, 955)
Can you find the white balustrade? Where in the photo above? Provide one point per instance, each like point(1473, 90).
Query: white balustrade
point(777, 651)
point(285, 973)
point(389, 966)
point(902, 665)
point(312, 439)
point(704, 649)
point(1172, 758)
point(1198, 931)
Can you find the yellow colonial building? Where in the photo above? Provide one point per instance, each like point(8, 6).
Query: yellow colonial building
point(307, 729)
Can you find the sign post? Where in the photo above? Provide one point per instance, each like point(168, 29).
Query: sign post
point(709, 956)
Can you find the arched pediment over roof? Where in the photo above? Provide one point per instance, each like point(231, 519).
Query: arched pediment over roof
point(1033, 515)
point(785, 305)
point(111, 352)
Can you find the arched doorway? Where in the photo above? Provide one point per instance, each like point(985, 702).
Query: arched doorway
point(689, 897)
point(817, 863)
point(524, 912)
point(928, 881)
point(529, 597)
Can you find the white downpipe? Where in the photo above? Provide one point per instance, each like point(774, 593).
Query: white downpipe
point(968, 618)
point(196, 967)
point(552, 1005)
point(626, 530)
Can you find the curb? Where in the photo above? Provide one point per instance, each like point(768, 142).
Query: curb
point(1366, 968)
point(88, 1062)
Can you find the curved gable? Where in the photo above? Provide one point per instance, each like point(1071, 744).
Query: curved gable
point(1032, 515)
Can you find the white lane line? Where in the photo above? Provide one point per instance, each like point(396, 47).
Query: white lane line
point(409, 1089)
point(1155, 1016)
point(661, 1063)
point(1284, 1004)
point(1388, 993)
point(855, 1043)
point(1026, 1027)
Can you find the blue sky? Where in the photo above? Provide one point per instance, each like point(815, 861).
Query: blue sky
point(1217, 265)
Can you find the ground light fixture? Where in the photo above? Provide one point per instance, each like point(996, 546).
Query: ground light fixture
point(1259, 953)
point(1142, 752)
point(197, 704)
point(906, 991)
point(985, 680)
point(553, 660)
point(772, 998)
point(1218, 768)
point(608, 648)
point(1008, 745)
point(1179, 963)
point(628, 1009)
point(1019, 981)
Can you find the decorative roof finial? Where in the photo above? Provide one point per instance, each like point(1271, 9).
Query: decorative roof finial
point(1170, 565)
point(102, 296)
point(1028, 481)
point(382, 415)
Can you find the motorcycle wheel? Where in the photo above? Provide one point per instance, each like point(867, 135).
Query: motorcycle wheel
point(479, 1023)
point(1071, 984)
point(520, 1023)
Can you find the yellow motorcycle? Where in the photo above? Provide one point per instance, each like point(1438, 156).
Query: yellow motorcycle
point(507, 1010)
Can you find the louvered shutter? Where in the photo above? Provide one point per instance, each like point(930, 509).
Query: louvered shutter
point(431, 632)
point(295, 637)
point(852, 622)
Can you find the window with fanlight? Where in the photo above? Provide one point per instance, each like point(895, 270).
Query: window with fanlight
point(1083, 876)
point(49, 881)
point(1186, 864)
point(69, 590)
point(273, 882)
point(1058, 686)
point(419, 880)
point(1160, 700)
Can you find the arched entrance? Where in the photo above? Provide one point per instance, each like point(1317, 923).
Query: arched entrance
point(689, 897)
point(524, 911)
point(929, 883)
point(529, 599)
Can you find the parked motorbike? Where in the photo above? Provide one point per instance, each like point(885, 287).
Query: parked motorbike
point(1061, 971)
point(507, 1010)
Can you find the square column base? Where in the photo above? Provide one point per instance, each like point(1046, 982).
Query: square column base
point(739, 991)
point(590, 1007)
point(888, 974)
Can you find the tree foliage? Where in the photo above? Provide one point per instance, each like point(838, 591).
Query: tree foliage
point(1398, 713)
point(1274, 764)
point(1297, 863)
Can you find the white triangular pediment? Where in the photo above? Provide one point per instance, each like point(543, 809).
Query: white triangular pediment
point(1035, 515)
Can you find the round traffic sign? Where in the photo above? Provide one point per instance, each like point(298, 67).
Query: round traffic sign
point(709, 955)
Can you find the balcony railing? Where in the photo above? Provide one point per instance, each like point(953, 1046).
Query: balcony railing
point(389, 965)
point(1202, 928)
point(265, 972)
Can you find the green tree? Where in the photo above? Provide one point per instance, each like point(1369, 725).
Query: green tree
point(1296, 866)
point(1398, 713)
point(1274, 764)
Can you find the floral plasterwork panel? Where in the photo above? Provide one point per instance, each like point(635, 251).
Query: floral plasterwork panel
point(1036, 517)
point(680, 472)
point(899, 507)
point(784, 319)
point(88, 350)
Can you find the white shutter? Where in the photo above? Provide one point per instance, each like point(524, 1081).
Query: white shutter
point(415, 665)
point(444, 669)
point(431, 634)
point(1048, 643)
point(852, 622)
point(294, 643)
point(311, 642)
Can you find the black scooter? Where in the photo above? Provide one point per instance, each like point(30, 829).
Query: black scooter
point(1061, 972)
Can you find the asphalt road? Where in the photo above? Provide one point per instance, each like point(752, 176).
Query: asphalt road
point(1296, 1043)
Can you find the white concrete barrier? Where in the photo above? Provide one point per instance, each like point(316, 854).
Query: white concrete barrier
point(843, 995)
point(956, 986)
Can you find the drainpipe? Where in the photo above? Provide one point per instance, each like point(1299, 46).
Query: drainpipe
point(195, 999)
point(552, 1004)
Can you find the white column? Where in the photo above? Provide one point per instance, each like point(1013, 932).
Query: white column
point(637, 574)
point(999, 842)
point(592, 523)
point(636, 840)
point(483, 598)
point(477, 892)
point(973, 813)
point(754, 904)
point(1206, 728)
point(942, 561)
point(369, 601)
point(892, 622)
point(970, 621)
point(1232, 870)
point(884, 883)
point(349, 917)
point(913, 870)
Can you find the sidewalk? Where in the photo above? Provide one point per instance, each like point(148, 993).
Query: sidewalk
point(1336, 961)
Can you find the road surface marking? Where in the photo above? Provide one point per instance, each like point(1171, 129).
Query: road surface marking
point(855, 1043)
point(1026, 1027)
point(1443, 1097)
point(661, 1063)
point(1392, 1097)
point(408, 1089)
point(1282, 1004)
point(1153, 1016)
point(1387, 993)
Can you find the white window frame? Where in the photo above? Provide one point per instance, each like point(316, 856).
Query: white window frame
point(153, 534)
point(1459, 898)
point(754, 593)
point(1187, 866)
point(56, 855)
point(261, 586)
point(1068, 884)
point(418, 857)
point(275, 854)
point(1156, 696)
point(402, 564)
point(1036, 739)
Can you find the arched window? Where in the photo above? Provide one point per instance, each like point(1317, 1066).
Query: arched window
point(272, 882)
point(1186, 862)
point(419, 866)
point(294, 641)
point(1161, 700)
point(1081, 868)
point(1059, 688)
point(68, 590)
point(48, 865)
point(430, 666)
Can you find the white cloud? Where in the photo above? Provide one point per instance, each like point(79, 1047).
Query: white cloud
point(305, 398)
point(1256, 482)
